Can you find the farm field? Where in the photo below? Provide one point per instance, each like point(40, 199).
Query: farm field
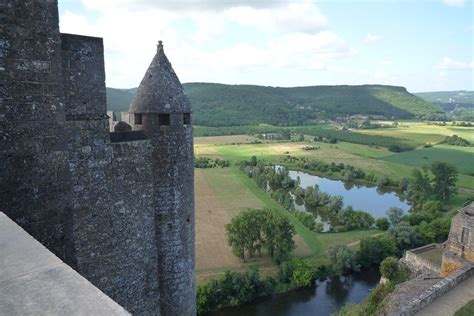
point(377, 160)
point(222, 193)
point(461, 157)
point(422, 133)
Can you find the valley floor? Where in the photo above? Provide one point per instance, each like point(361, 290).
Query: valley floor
point(222, 193)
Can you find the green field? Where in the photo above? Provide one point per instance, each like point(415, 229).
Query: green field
point(379, 161)
point(461, 157)
point(422, 133)
point(222, 193)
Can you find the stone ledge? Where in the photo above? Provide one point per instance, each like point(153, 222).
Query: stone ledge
point(33, 281)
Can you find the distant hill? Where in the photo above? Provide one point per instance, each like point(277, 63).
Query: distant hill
point(461, 96)
point(119, 100)
point(458, 104)
point(226, 105)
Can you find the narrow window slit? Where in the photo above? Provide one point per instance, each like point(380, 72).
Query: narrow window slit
point(138, 119)
point(186, 118)
point(163, 119)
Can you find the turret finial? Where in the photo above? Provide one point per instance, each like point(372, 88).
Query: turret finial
point(159, 46)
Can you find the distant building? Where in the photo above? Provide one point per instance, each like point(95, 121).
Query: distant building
point(275, 136)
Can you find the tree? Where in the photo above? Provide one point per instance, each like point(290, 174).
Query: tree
point(342, 259)
point(445, 177)
point(254, 229)
point(394, 215)
point(236, 237)
point(348, 176)
point(395, 148)
point(434, 231)
point(382, 223)
point(419, 188)
point(374, 249)
point(405, 235)
point(403, 184)
point(253, 161)
point(279, 236)
point(383, 181)
point(389, 268)
point(299, 272)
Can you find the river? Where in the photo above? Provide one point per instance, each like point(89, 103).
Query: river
point(324, 298)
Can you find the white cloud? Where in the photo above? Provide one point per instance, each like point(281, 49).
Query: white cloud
point(313, 51)
point(450, 64)
point(302, 17)
point(371, 38)
point(292, 36)
point(455, 3)
point(181, 5)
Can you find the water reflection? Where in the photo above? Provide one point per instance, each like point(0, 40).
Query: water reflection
point(324, 298)
point(365, 197)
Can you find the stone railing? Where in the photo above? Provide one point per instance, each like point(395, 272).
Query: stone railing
point(416, 263)
point(433, 292)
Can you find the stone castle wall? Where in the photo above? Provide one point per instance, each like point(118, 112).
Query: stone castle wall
point(417, 264)
point(173, 168)
point(464, 219)
point(420, 300)
point(34, 173)
point(112, 242)
point(118, 207)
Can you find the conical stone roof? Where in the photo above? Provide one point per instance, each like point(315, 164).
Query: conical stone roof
point(160, 90)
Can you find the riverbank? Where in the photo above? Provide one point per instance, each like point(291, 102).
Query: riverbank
point(325, 296)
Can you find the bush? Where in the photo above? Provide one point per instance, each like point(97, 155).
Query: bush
point(382, 223)
point(383, 181)
point(389, 268)
point(455, 140)
point(374, 249)
point(232, 289)
point(307, 219)
point(343, 259)
point(395, 148)
point(298, 272)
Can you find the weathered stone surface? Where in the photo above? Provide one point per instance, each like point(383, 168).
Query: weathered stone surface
point(34, 169)
point(33, 281)
point(118, 207)
point(432, 281)
point(417, 264)
point(461, 234)
point(161, 93)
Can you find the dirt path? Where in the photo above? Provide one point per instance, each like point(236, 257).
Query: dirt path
point(355, 243)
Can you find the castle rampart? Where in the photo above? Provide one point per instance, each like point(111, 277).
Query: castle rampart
point(116, 206)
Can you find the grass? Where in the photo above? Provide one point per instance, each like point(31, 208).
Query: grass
point(461, 157)
point(350, 238)
point(466, 310)
point(422, 133)
point(379, 161)
point(222, 193)
point(220, 140)
point(309, 237)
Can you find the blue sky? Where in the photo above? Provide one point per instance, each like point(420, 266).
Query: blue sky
point(422, 45)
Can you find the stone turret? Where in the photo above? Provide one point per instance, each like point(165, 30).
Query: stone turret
point(159, 96)
point(163, 112)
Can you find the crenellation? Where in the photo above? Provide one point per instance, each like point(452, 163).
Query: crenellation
point(102, 201)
